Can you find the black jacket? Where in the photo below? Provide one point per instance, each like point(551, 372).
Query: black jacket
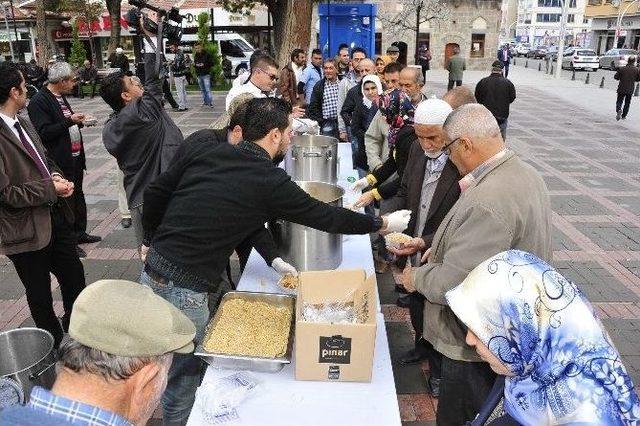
point(496, 93)
point(142, 137)
point(396, 162)
point(88, 74)
point(445, 196)
point(179, 64)
point(120, 61)
point(53, 128)
point(315, 105)
point(202, 62)
point(213, 197)
point(361, 119)
point(351, 101)
point(628, 75)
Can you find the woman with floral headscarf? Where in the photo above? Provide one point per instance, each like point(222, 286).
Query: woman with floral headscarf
point(538, 330)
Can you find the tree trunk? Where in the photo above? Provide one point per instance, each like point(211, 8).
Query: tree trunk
point(42, 40)
point(113, 6)
point(291, 27)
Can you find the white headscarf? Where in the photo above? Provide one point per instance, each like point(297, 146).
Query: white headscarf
point(374, 79)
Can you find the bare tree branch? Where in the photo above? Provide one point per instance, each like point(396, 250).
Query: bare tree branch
point(399, 23)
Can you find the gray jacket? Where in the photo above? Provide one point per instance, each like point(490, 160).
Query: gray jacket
point(456, 67)
point(375, 141)
point(142, 137)
point(508, 208)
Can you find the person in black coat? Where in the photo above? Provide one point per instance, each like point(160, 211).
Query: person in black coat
point(497, 93)
point(628, 75)
point(323, 106)
point(365, 110)
point(59, 128)
point(119, 60)
point(504, 56)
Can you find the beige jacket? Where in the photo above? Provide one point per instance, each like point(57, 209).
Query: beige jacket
point(375, 141)
point(508, 208)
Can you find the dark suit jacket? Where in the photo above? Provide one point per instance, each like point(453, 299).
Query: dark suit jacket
point(445, 196)
point(628, 75)
point(25, 198)
point(53, 129)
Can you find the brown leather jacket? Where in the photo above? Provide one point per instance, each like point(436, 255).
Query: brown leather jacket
point(288, 85)
point(25, 198)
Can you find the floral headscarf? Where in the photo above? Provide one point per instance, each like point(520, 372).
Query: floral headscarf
point(544, 330)
point(398, 110)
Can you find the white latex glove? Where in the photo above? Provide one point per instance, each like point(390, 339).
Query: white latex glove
point(360, 184)
point(397, 221)
point(283, 268)
point(142, 251)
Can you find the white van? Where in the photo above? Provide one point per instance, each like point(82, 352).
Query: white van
point(232, 45)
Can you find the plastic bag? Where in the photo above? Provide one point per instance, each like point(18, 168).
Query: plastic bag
point(220, 399)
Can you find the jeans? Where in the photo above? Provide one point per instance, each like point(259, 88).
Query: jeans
point(181, 89)
point(186, 371)
point(451, 83)
point(330, 128)
point(204, 81)
point(627, 103)
point(463, 389)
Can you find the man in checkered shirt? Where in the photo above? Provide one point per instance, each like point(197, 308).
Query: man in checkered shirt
point(323, 107)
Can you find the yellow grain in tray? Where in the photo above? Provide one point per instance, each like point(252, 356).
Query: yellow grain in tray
point(250, 328)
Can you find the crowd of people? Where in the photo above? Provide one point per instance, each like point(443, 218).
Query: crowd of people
point(438, 170)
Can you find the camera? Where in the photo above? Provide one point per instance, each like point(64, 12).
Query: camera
point(172, 26)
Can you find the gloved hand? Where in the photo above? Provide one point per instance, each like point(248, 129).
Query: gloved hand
point(360, 184)
point(283, 268)
point(397, 221)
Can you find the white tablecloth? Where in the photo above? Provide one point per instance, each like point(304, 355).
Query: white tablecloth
point(281, 399)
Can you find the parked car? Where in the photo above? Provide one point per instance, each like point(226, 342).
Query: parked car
point(537, 52)
point(616, 58)
point(522, 49)
point(577, 58)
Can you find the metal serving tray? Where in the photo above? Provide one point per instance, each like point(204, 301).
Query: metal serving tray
point(253, 363)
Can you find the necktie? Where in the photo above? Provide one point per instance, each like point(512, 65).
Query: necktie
point(32, 152)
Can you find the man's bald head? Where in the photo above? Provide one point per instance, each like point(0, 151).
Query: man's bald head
point(459, 96)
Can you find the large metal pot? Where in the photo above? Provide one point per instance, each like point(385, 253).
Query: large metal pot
point(312, 158)
point(306, 248)
point(26, 360)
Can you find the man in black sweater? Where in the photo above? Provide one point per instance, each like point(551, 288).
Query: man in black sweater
point(496, 92)
point(627, 75)
point(211, 199)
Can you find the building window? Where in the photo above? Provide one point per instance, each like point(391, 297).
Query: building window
point(477, 46)
point(571, 18)
point(585, 20)
point(548, 17)
point(595, 2)
point(423, 38)
point(552, 3)
point(572, 3)
point(378, 43)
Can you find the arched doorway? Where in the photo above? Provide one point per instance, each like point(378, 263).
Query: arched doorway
point(403, 51)
point(448, 52)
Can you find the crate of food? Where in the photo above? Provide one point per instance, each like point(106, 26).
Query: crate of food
point(250, 331)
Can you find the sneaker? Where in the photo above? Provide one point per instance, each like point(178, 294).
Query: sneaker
point(88, 239)
point(618, 115)
point(624, 117)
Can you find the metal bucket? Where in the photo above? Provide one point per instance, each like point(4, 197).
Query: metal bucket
point(312, 158)
point(26, 360)
point(306, 248)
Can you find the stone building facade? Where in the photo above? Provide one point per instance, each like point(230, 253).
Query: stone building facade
point(473, 25)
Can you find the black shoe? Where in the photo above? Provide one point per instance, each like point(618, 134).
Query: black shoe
point(403, 301)
point(126, 223)
point(434, 387)
point(401, 289)
point(81, 252)
point(618, 115)
point(412, 357)
point(85, 238)
point(183, 109)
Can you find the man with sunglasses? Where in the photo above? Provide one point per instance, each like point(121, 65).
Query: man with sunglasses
point(262, 82)
point(59, 128)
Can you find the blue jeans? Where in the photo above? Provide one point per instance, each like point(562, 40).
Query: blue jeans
point(186, 371)
point(204, 81)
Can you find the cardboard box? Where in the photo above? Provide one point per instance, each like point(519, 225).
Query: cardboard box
point(336, 352)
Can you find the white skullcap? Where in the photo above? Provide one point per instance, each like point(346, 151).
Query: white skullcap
point(119, 50)
point(432, 111)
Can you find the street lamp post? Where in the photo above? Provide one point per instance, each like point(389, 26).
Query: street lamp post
point(621, 14)
point(563, 31)
point(6, 6)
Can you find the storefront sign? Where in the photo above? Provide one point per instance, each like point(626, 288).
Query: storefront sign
point(101, 28)
point(629, 23)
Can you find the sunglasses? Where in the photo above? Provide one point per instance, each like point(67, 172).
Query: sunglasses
point(447, 148)
point(273, 77)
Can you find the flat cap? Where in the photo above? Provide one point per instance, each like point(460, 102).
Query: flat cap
point(128, 319)
point(393, 49)
point(497, 65)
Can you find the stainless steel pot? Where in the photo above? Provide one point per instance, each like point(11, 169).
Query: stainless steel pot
point(26, 360)
point(312, 158)
point(306, 248)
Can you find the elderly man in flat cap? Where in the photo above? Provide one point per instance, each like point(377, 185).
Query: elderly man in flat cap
point(113, 369)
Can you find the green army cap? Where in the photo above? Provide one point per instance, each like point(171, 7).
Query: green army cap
point(128, 319)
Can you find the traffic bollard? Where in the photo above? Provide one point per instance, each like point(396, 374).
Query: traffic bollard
point(514, 61)
point(637, 92)
point(539, 66)
point(573, 75)
point(526, 63)
point(602, 82)
point(586, 81)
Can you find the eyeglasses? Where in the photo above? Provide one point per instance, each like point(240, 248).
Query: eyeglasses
point(273, 77)
point(446, 149)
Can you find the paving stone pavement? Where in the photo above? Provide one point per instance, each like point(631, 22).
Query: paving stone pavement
point(592, 168)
